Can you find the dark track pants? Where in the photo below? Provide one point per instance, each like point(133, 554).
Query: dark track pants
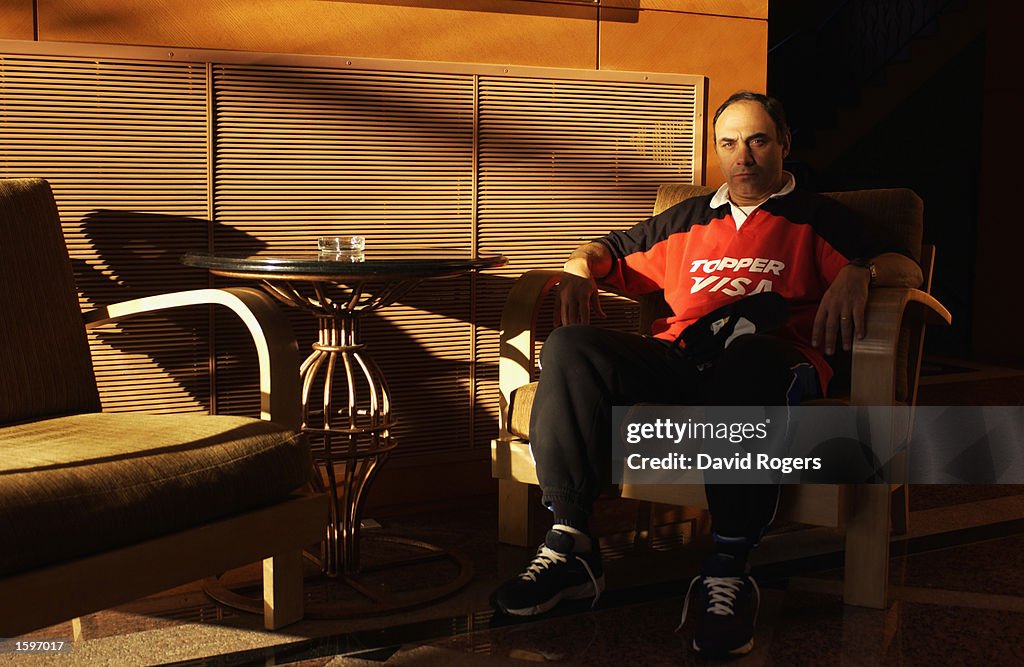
point(586, 370)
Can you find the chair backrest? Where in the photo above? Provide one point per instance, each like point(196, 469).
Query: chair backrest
point(671, 194)
point(895, 216)
point(45, 365)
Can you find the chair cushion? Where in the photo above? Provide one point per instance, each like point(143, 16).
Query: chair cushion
point(82, 484)
point(519, 410)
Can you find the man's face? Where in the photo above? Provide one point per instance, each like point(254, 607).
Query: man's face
point(749, 152)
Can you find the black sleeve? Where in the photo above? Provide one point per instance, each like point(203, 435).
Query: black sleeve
point(850, 233)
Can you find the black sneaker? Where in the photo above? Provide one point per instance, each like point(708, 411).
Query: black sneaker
point(554, 574)
point(728, 600)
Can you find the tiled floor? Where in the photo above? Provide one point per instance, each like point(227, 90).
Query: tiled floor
point(957, 597)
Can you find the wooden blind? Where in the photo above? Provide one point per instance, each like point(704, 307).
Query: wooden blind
point(302, 152)
point(150, 159)
point(123, 144)
point(563, 162)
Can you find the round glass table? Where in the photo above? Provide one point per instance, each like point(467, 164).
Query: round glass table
point(346, 405)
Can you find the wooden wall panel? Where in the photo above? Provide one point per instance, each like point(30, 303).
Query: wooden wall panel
point(731, 52)
point(755, 9)
point(333, 28)
point(15, 19)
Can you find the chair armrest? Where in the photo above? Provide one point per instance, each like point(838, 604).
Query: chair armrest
point(875, 355)
point(270, 330)
point(517, 358)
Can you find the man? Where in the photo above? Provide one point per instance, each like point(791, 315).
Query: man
point(756, 234)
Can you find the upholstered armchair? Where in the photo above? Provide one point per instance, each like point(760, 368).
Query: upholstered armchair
point(98, 509)
point(886, 364)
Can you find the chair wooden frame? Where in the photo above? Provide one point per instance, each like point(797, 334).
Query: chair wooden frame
point(865, 511)
point(276, 534)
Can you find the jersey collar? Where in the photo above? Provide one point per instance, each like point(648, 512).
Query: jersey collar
point(722, 196)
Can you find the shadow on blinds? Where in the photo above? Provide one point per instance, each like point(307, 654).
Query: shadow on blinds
point(138, 254)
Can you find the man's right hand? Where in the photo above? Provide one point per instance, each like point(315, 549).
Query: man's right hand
point(577, 297)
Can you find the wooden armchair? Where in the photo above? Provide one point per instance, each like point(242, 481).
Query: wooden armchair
point(98, 509)
point(886, 364)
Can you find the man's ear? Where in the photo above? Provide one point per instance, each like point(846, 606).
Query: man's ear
point(787, 143)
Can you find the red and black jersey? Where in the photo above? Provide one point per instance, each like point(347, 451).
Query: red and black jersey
point(794, 245)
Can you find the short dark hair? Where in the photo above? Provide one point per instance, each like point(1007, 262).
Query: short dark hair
point(769, 104)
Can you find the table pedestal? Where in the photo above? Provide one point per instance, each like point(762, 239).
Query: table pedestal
point(353, 432)
point(346, 413)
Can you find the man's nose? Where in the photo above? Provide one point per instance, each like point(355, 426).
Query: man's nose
point(744, 155)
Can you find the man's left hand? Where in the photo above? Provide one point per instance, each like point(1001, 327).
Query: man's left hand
point(842, 310)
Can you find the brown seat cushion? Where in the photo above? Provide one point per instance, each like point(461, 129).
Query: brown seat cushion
point(519, 410)
point(77, 485)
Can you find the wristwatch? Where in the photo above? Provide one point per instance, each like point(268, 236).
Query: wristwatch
point(865, 263)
